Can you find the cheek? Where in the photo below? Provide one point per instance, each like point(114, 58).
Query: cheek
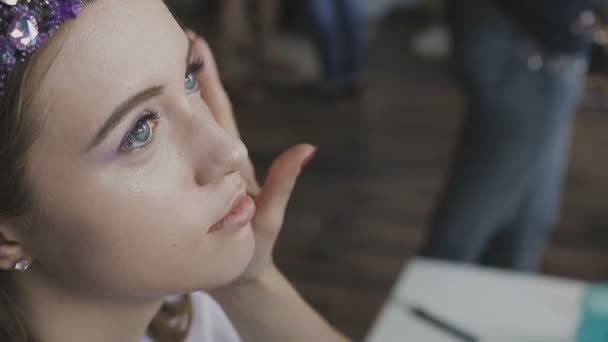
point(147, 235)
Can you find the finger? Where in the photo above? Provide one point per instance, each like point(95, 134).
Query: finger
point(190, 34)
point(211, 88)
point(253, 188)
point(281, 179)
point(200, 48)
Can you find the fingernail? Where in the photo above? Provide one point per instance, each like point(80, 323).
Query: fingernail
point(308, 159)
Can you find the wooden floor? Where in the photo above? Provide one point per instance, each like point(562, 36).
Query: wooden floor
point(362, 206)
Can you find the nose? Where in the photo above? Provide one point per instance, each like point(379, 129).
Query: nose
point(220, 154)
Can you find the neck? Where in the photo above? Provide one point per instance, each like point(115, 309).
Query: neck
point(57, 314)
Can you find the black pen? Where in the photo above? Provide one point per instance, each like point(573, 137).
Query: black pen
point(442, 325)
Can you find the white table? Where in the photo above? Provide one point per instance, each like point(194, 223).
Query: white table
point(494, 305)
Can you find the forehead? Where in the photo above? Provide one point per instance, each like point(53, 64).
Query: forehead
point(113, 49)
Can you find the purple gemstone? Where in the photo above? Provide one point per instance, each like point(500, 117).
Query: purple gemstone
point(20, 10)
point(7, 55)
point(71, 11)
point(8, 60)
point(29, 24)
point(42, 37)
point(22, 32)
point(5, 45)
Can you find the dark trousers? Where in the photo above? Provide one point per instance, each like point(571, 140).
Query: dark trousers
point(503, 193)
point(338, 31)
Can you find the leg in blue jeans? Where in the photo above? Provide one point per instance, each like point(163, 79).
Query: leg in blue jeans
point(502, 197)
point(324, 19)
point(519, 243)
point(338, 28)
point(353, 41)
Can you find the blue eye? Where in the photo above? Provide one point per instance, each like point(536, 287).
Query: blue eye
point(190, 83)
point(141, 134)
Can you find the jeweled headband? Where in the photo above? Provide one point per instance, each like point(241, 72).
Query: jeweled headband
point(26, 24)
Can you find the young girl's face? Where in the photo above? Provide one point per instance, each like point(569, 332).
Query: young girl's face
point(131, 175)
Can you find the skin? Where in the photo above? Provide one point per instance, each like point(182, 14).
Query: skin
point(163, 196)
point(114, 229)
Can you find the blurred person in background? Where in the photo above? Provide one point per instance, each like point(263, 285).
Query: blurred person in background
point(521, 64)
point(433, 42)
point(338, 28)
point(247, 30)
point(596, 93)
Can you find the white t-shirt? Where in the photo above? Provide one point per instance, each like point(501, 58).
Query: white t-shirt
point(209, 322)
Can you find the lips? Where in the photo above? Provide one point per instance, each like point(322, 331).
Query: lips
point(240, 214)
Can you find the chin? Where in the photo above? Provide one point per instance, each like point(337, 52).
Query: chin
point(230, 266)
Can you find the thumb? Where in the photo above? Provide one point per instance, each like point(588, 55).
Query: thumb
point(279, 184)
point(201, 48)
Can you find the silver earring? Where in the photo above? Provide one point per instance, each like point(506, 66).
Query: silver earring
point(22, 265)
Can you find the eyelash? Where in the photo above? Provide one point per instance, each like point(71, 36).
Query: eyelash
point(127, 144)
point(196, 66)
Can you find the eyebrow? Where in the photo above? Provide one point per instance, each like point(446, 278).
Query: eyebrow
point(124, 108)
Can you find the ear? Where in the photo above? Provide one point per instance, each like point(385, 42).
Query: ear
point(11, 248)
